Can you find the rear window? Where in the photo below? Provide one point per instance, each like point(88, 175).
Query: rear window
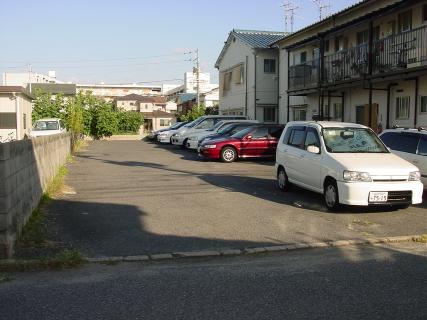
point(46, 125)
point(403, 142)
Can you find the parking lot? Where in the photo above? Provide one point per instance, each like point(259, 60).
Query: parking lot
point(136, 197)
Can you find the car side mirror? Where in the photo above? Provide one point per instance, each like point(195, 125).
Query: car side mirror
point(249, 137)
point(313, 149)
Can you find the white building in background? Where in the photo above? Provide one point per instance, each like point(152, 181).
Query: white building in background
point(210, 98)
point(111, 91)
point(249, 75)
point(190, 85)
point(24, 78)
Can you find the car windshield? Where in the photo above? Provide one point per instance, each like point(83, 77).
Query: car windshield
point(46, 125)
point(352, 140)
point(176, 125)
point(217, 126)
point(226, 129)
point(242, 133)
point(191, 124)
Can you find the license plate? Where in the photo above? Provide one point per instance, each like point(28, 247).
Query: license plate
point(378, 196)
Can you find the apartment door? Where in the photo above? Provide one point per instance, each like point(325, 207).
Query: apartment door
point(362, 116)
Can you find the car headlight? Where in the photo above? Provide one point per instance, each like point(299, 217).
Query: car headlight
point(355, 176)
point(209, 146)
point(414, 176)
point(176, 135)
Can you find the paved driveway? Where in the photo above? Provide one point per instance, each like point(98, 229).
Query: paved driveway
point(135, 197)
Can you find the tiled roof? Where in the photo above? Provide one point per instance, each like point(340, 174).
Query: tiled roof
point(258, 39)
point(157, 114)
point(140, 98)
point(255, 39)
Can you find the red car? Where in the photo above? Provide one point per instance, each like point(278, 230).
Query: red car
point(253, 142)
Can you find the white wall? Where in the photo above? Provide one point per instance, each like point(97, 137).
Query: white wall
point(20, 105)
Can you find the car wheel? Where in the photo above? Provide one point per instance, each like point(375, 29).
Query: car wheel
point(184, 144)
point(282, 180)
point(228, 154)
point(331, 195)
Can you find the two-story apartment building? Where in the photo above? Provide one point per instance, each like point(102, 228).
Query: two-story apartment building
point(248, 75)
point(365, 64)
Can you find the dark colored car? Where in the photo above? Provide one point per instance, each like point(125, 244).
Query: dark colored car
point(228, 130)
point(253, 142)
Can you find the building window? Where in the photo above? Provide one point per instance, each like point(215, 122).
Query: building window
point(337, 110)
point(423, 104)
point(299, 114)
point(405, 21)
point(402, 107)
point(303, 57)
point(270, 114)
point(7, 120)
point(269, 66)
point(146, 106)
point(238, 74)
point(164, 122)
point(227, 80)
point(362, 37)
point(341, 43)
point(24, 118)
point(327, 46)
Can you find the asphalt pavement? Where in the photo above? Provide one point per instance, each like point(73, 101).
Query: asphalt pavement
point(365, 282)
point(135, 197)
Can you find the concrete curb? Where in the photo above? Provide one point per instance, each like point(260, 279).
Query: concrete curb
point(254, 250)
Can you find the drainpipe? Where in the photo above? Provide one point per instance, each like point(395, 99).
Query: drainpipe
point(370, 67)
point(246, 86)
point(287, 92)
point(342, 106)
point(320, 74)
point(416, 102)
point(388, 103)
point(278, 88)
point(329, 106)
point(255, 59)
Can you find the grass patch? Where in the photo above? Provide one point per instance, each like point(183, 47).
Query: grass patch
point(79, 145)
point(5, 278)
point(57, 182)
point(422, 239)
point(65, 259)
point(34, 233)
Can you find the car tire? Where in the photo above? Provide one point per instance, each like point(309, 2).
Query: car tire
point(184, 144)
point(228, 154)
point(331, 195)
point(282, 180)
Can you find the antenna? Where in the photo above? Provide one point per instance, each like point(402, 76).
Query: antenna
point(324, 8)
point(289, 7)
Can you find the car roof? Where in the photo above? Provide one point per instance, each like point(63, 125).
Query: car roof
point(419, 130)
point(328, 124)
point(48, 119)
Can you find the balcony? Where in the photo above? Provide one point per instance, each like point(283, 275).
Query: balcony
point(304, 75)
point(389, 55)
point(346, 64)
point(402, 51)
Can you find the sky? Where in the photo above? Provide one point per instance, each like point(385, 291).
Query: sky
point(118, 42)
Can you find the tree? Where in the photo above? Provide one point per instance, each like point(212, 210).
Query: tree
point(194, 113)
point(48, 106)
point(104, 121)
point(129, 121)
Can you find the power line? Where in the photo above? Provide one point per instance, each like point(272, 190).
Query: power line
point(100, 60)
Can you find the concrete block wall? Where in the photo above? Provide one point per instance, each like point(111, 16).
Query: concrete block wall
point(26, 168)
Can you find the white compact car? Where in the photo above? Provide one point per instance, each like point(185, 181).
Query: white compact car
point(347, 163)
point(193, 140)
point(409, 144)
point(200, 124)
point(164, 135)
point(47, 126)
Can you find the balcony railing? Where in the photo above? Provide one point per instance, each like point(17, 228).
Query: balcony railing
point(401, 51)
point(304, 75)
point(346, 64)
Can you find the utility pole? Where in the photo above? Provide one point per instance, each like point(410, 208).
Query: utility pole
point(29, 75)
point(197, 77)
point(289, 8)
